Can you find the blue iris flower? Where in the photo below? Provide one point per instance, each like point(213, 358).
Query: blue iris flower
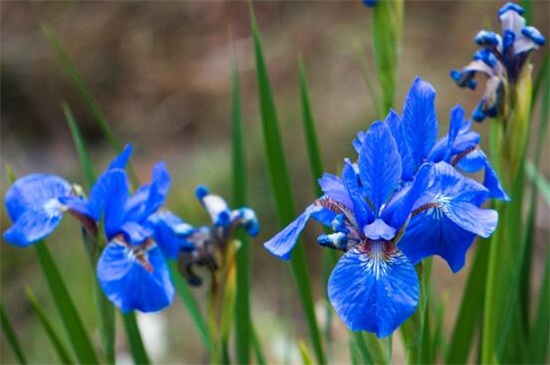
point(370, 3)
point(501, 58)
point(402, 174)
point(210, 242)
point(132, 269)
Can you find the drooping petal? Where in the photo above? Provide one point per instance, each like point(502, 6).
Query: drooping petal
point(432, 233)
point(283, 242)
point(419, 120)
point(120, 161)
point(246, 217)
point(475, 161)
point(379, 165)
point(334, 188)
point(482, 222)
point(451, 185)
point(135, 283)
point(34, 190)
point(35, 223)
point(398, 209)
point(374, 289)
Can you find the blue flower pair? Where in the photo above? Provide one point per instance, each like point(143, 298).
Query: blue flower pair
point(501, 58)
point(400, 202)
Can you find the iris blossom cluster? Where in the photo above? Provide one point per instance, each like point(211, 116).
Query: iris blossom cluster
point(141, 234)
point(501, 58)
point(211, 242)
point(401, 201)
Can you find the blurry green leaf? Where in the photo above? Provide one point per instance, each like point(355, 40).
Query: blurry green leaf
point(281, 188)
point(72, 72)
point(540, 335)
point(185, 294)
point(258, 351)
point(361, 347)
point(139, 354)
point(82, 151)
point(242, 315)
point(78, 336)
point(367, 76)
point(306, 359)
point(541, 77)
point(11, 337)
point(528, 7)
point(58, 345)
point(541, 183)
point(470, 310)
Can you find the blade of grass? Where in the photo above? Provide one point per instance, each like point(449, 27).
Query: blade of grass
point(82, 151)
point(72, 322)
point(306, 359)
point(361, 347)
point(185, 295)
point(58, 345)
point(470, 310)
point(541, 77)
point(242, 315)
point(105, 308)
point(281, 188)
point(137, 348)
point(11, 337)
point(368, 82)
point(330, 257)
point(542, 185)
point(540, 335)
point(258, 351)
point(71, 71)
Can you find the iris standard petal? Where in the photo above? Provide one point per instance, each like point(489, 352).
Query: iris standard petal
point(35, 223)
point(379, 165)
point(120, 161)
point(114, 199)
point(362, 211)
point(396, 127)
point(334, 188)
point(283, 242)
point(398, 209)
point(34, 190)
point(374, 289)
point(160, 185)
point(419, 120)
point(130, 284)
point(432, 233)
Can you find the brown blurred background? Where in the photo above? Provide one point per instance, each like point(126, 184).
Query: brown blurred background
point(161, 74)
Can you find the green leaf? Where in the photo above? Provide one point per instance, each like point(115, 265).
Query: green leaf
point(306, 359)
point(78, 336)
point(367, 77)
point(541, 77)
point(470, 310)
point(137, 348)
point(11, 337)
point(540, 335)
point(82, 151)
point(362, 350)
point(242, 315)
point(281, 188)
point(258, 351)
point(58, 345)
point(542, 185)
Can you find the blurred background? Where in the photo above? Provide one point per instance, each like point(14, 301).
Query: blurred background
point(161, 74)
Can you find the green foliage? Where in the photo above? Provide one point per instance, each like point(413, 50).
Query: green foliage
point(11, 337)
point(78, 336)
point(134, 339)
point(57, 343)
point(281, 188)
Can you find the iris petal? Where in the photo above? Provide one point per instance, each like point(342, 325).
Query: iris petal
point(419, 121)
point(374, 291)
point(396, 127)
point(432, 233)
point(334, 188)
point(379, 230)
point(35, 223)
point(283, 242)
point(114, 199)
point(34, 190)
point(130, 285)
point(120, 161)
point(170, 232)
point(362, 211)
point(379, 164)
